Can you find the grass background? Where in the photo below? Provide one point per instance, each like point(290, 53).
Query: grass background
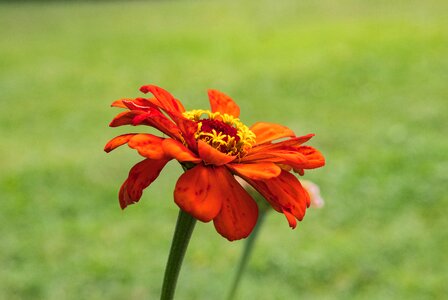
point(368, 77)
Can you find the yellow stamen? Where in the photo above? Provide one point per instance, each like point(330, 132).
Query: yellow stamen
point(232, 144)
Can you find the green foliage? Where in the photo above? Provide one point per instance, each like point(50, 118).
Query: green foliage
point(370, 79)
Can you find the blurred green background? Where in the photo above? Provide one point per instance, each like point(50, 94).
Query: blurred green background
point(369, 78)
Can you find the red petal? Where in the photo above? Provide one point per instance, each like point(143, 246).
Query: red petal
point(284, 193)
point(188, 129)
point(125, 118)
point(263, 151)
point(212, 156)
point(123, 195)
point(291, 219)
point(266, 132)
point(118, 141)
point(159, 121)
point(220, 102)
point(165, 100)
point(178, 151)
point(198, 192)
point(140, 177)
point(138, 102)
point(256, 171)
point(147, 145)
point(239, 211)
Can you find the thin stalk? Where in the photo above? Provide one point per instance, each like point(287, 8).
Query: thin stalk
point(184, 228)
point(248, 246)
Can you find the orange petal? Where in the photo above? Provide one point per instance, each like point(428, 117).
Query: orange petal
point(212, 156)
point(284, 193)
point(266, 132)
point(239, 211)
point(147, 145)
point(177, 150)
point(118, 141)
point(165, 100)
point(140, 177)
point(199, 192)
point(299, 158)
point(256, 171)
point(315, 159)
point(220, 102)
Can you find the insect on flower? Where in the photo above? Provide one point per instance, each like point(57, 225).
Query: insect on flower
point(214, 146)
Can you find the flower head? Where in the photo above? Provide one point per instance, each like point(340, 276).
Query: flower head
point(214, 146)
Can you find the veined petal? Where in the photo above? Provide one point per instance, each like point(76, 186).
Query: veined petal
point(165, 100)
point(239, 211)
point(256, 171)
point(285, 194)
point(266, 132)
point(199, 192)
point(212, 156)
point(147, 145)
point(118, 141)
point(220, 102)
point(177, 150)
point(140, 177)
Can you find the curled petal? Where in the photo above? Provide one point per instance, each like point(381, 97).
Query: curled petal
point(140, 177)
point(239, 211)
point(199, 192)
point(138, 102)
point(256, 171)
point(118, 141)
point(147, 145)
point(266, 132)
point(188, 129)
point(285, 194)
point(300, 158)
point(125, 118)
point(139, 105)
point(315, 159)
point(220, 102)
point(177, 150)
point(212, 156)
point(165, 100)
point(159, 121)
point(264, 151)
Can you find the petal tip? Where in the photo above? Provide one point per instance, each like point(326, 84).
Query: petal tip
point(145, 88)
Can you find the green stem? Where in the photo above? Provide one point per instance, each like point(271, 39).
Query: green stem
point(184, 229)
point(248, 246)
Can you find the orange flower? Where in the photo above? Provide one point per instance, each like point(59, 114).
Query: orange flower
point(214, 146)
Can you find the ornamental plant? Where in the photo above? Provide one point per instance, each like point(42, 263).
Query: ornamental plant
point(213, 147)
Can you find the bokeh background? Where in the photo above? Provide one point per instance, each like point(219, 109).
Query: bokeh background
point(369, 78)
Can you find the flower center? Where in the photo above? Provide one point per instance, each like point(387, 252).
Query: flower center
point(222, 131)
